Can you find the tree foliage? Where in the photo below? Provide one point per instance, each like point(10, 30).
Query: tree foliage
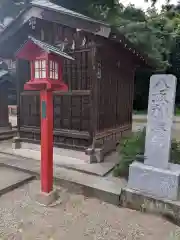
point(132, 149)
point(152, 32)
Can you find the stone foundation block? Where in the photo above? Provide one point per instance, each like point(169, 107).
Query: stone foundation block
point(47, 199)
point(153, 181)
point(16, 144)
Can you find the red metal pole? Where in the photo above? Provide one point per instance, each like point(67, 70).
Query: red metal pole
point(46, 141)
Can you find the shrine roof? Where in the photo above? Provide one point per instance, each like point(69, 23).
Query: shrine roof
point(47, 11)
point(47, 48)
point(54, 7)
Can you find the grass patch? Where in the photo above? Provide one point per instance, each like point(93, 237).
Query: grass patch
point(140, 112)
point(132, 148)
point(177, 112)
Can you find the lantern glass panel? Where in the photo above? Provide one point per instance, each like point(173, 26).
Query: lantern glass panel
point(53, 70)
point(40, 69)
point(56, 70)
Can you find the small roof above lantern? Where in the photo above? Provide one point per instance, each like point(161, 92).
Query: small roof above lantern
point(33, 48)
point(46, 64)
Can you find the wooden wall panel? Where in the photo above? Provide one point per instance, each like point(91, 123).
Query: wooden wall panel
point(115, 89)
point(76, 74)
point(4, 118)
point(71, 118)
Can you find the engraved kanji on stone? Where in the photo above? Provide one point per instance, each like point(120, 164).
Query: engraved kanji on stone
point(160, 101)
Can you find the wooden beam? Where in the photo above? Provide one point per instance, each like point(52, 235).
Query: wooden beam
point(59, 93)
point(60, 132)
point(108, 132)
point(18, 93)
point(94, 95)
point(73, 93)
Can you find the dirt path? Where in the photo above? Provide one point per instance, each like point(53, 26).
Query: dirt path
point(76, 218)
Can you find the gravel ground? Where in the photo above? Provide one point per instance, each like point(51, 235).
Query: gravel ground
point(75, 217)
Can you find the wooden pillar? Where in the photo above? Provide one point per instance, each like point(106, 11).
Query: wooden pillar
point(46, 141)
point(132, 82)
point(22, 76)
point(18, 91)
point(94, 96)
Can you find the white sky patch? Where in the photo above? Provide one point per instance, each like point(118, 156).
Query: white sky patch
point(144, 5)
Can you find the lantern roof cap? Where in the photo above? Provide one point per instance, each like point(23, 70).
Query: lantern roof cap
point(46, 47)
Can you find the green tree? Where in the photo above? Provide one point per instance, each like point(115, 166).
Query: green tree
point(152, 32)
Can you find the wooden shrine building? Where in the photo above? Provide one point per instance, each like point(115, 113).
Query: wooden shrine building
point(97, 108)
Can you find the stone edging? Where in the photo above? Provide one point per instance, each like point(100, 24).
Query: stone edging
point(148, 204)
point(92, 186)
point(122, 197)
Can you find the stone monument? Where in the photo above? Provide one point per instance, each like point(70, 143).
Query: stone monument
point(157, 177)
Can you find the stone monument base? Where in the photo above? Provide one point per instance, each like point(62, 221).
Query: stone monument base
point(160, 183)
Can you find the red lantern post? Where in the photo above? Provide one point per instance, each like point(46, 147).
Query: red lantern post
point(46, 98)
point(46, 76)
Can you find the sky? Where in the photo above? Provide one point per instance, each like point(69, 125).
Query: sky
point(142, 4)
